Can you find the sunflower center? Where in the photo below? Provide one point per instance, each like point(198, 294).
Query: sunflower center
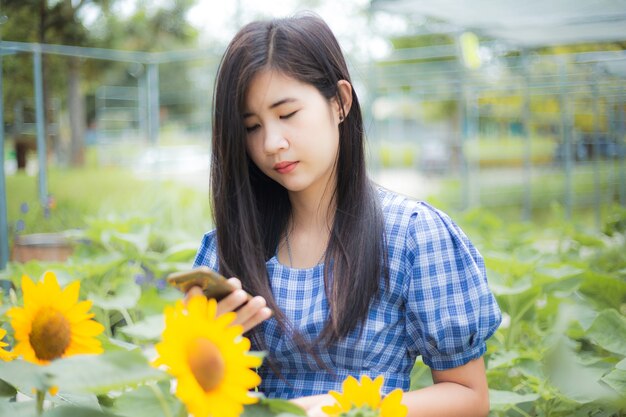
point(206, 363)
point(50, 334)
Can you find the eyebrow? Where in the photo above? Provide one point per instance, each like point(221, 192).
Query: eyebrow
point(274, 105)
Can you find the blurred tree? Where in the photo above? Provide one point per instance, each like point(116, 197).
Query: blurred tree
point(147, 29)
point(62, 22)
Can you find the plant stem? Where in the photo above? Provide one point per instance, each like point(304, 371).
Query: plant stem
point(41, 395)
point(107, 322)
point(126, 315)
point(522, 412)
point(159, 395)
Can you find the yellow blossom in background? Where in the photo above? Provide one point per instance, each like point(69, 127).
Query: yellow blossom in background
point(4, 355)
point(366, 395)
point(209, 358)
point(53, 323)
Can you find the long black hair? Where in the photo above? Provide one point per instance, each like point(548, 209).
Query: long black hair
point(251, 210)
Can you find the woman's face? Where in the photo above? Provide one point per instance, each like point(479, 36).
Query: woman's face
point(292, 131)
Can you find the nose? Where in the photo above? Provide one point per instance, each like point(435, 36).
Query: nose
point(274, 140)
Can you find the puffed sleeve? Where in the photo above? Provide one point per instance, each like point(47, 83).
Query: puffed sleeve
point(207, 252)
point(450, 310)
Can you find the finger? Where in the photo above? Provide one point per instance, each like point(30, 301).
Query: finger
point(246, 312)
point(235, 282)
point(260, 316)
point(231, 302)
point(193, 291)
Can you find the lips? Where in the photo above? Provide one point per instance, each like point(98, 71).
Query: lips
point(285, 167)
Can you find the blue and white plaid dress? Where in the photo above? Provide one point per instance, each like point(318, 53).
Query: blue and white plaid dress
point(438, 305)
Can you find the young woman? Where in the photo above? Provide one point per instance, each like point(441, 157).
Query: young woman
point(358, 280)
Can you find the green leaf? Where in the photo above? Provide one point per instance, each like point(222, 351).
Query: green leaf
point(560, 271)
point(7, 390)
point(574, 380)
point(100, 374)
point(579, 312)
point(154, 301)
point(604, 290)
point(183, 252)
point(263, 410)
point(563, 287)
point(126, 296)
point(502, 400)
point(148, 401)
point(136, 243)
point(113, 344)
point(589, 240)
point(279, 406)
point(65, 411)
point(148, 329)
point(499, 286)
point(617, 380)
point(25, 376)
point(76, 399)
point(18, 409)
point(609, 331)
point(256, 410)
point(503, 358)
point(421, 376)
point(621, 365)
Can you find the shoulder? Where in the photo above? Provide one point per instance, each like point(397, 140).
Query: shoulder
point(207, 252)
point(415, 229)
point(407, 217)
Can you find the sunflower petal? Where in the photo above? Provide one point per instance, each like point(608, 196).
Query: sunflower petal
point(391, 405)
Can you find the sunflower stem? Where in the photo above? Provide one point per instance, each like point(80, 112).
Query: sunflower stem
point(157, 393)
point(41, 395)
point(126, 315)
point(107, 322)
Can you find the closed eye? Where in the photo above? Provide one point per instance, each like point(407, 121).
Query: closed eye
point(252, 128)
point(287, 116)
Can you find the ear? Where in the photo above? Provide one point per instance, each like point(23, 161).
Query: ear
point(342, 107)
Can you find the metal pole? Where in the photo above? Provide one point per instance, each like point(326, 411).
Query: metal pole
point(621, 131)
point(41, 121)
point(4, 227)
point(597, 196)
point(153, 103)
point(142, 107)
point(567, 139)
point(463, 125)
point(528, 203)
point(473, 118)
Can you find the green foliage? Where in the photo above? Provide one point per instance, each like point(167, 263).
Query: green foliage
point(559, 352)
point(560, 348)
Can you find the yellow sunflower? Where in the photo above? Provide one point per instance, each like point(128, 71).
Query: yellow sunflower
point(366, 396)
point(209, 358)
point(53, 324)
point(4, 355)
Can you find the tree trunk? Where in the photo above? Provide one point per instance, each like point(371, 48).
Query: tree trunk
point(51, 138)
point(76, 108)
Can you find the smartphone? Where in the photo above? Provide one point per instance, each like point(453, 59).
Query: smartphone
point(213, 284)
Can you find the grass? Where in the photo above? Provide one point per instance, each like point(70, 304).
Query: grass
point(81, 194)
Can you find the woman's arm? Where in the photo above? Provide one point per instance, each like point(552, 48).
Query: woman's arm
point(460, 391)
point(457, 392)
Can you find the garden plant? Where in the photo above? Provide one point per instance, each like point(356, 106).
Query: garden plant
point(102, 335)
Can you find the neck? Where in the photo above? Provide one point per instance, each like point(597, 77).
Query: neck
point(312, 210)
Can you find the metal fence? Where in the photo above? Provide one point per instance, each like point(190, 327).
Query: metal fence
point(521, 131)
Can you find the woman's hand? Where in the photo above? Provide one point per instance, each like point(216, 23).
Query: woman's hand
point(313, 404)
point(254, 312)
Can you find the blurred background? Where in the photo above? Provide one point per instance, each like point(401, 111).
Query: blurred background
point(513, 107)
point(510, 116)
